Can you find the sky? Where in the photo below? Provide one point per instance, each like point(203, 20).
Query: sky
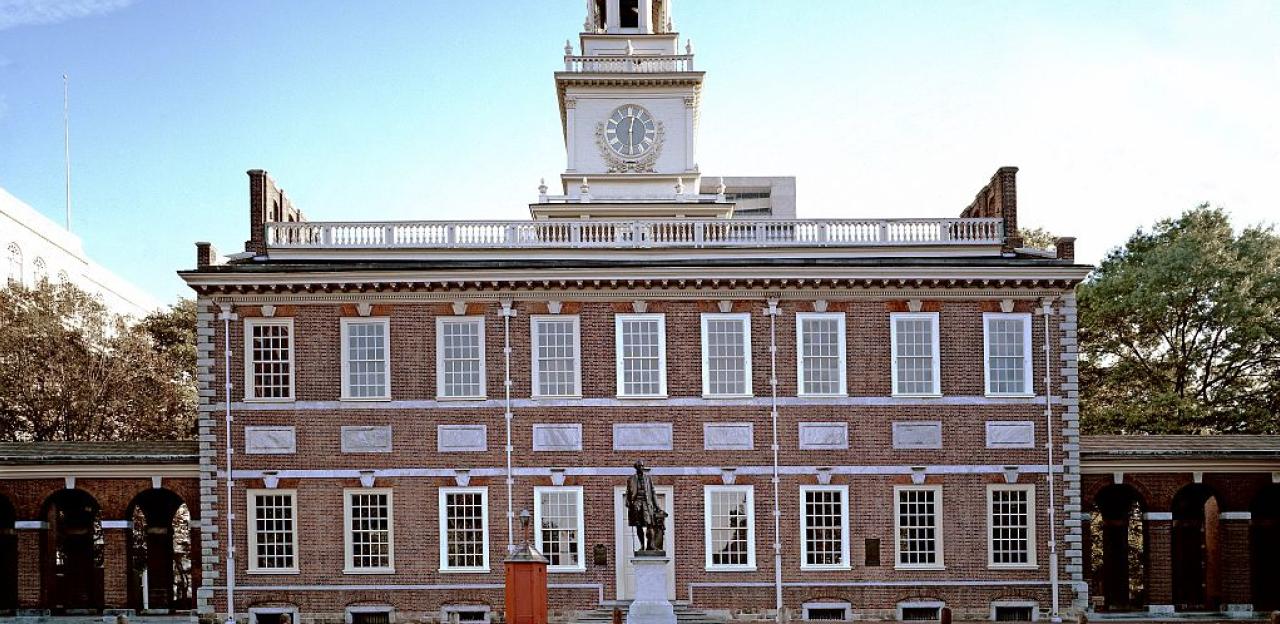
point(1117, 113)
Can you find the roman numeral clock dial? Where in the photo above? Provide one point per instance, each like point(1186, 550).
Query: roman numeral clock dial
point(630, 131)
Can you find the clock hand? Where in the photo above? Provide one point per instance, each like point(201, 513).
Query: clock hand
point(631, 132)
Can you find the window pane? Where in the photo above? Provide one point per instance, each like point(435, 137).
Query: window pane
point(729, 522)
point(273, 532)
point(370, 529)
point(913, 348)
point(1006, 355)
point(464, 530)
point(460, 358)
point(820, 341)
point(271, 353)
point(917, 527)
point(367, 360)
point(559, 535)
point(1010, 527)
point(641, 357)
point(824, 527)
point(726, 355)
point(556, 355)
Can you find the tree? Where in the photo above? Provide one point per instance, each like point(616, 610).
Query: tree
point(1180, 331)
point(71, 370)
point(1038, 238)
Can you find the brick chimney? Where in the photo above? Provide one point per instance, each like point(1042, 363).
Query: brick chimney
point(1065, 247)
point(999, 200)
point(267, 204)
point(206, 255)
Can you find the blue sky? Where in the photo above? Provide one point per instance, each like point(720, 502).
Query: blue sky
point(1118, 113)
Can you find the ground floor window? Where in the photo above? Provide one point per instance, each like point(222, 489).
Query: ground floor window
point(464, 529)
point(369, 531)
point(557, 516)
point(824, 526)
point(918, 523)
point(730, 527)
point(273, 537)
point(1011, 526)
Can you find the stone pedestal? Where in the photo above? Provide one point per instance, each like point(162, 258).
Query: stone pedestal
point(651, 605)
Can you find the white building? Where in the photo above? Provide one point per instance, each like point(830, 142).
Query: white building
point(36, 248)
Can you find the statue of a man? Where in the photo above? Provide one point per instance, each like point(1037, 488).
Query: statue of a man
point(644, 513)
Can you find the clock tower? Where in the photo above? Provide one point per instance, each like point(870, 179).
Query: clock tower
point(629, 100)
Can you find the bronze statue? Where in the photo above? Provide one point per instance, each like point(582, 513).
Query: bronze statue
point(644, 513)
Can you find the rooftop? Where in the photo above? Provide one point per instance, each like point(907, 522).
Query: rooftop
point(1188, 446)
point(131, 452)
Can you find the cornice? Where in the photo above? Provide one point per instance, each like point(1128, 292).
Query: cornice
point(112, 471)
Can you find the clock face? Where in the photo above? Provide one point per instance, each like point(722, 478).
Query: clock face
point(630, 131)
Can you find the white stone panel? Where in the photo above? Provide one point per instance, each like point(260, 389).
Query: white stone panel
point(642, 437)
point(824, 435)
point(917, 435)
point(557, 437)
point(728, 436)
point(366, 439)
point(1011, 434)
point(462, 438)
point(270, 440)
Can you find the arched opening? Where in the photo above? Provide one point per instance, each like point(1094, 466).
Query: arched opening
point(72, 548)
point(159, 552)
point(1264, 540)
point(8, 557)
point(1118, 552)
point(1196, 566)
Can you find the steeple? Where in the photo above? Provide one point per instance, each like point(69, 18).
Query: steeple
point(628, 17)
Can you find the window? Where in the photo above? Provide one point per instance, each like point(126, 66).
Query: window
point(730, 527)
point(556, 357)
point(837, 611)
point(366, 362)
point(820, 360)
point(915, 353)
point(921, 611)
point(629, 13)
point(1010, 526)
point(641, 342)
point(273, 533)
point(15, 263)
point(1007, 348)
point(464, 529)
point(918, 523)
point(824, 527)
point(273, 615)
point(269, 346)
point(1013, 611)
point(40, 270)
point(557, 516)
point(726, 354)
point(460, 357)
point(369, 614)
point(369, 531)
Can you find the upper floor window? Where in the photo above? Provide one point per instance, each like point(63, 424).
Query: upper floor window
point(641, 345)
point(824, 527)
point(1007, 345)
point(366, 360)
point(820, 359)
point(914, 336)
point(273, 531)
point(15, 263)
point(464, 529)
point(918, 523)
point(1011, 527)
point(730, 527)
point(369, 531)
point(557, 518)
point(726, 354)
point(269, 349)
point(556, 357)
point(460, 357)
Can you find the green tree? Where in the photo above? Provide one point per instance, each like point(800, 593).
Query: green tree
point(1038, 238)
point(1180, 331)
point(71, 370)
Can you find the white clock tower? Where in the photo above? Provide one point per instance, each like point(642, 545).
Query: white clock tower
point(629, 110)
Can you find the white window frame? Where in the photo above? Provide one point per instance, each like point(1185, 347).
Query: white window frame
point(839, 317)
point(444, 533)
point(251, 323)
point(346, 323)
point(893, 351)
point(620, 376)
point(252, 507)
point(347, 568)
point(1032, 546)
point(707, 493)
point(844, 528)
point(844, 606)
point(939, 562)
point(1028, 369)
point(349, 612)
point(290, 611)
point(580, 528)
point(533, 353)
point(484, 378)
point(1016, 604)
point(746, 353)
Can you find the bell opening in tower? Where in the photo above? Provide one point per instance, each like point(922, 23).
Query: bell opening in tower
point(629, 13)
point(601, 16)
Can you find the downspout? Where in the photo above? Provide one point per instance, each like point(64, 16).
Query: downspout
point(507, 313)
point(1048, 421)
point(772, 312)
point(227, 316)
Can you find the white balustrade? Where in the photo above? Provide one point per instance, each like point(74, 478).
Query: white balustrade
point(640, 233)
point(634, 63)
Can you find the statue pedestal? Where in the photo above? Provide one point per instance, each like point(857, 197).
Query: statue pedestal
point(651, 605)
